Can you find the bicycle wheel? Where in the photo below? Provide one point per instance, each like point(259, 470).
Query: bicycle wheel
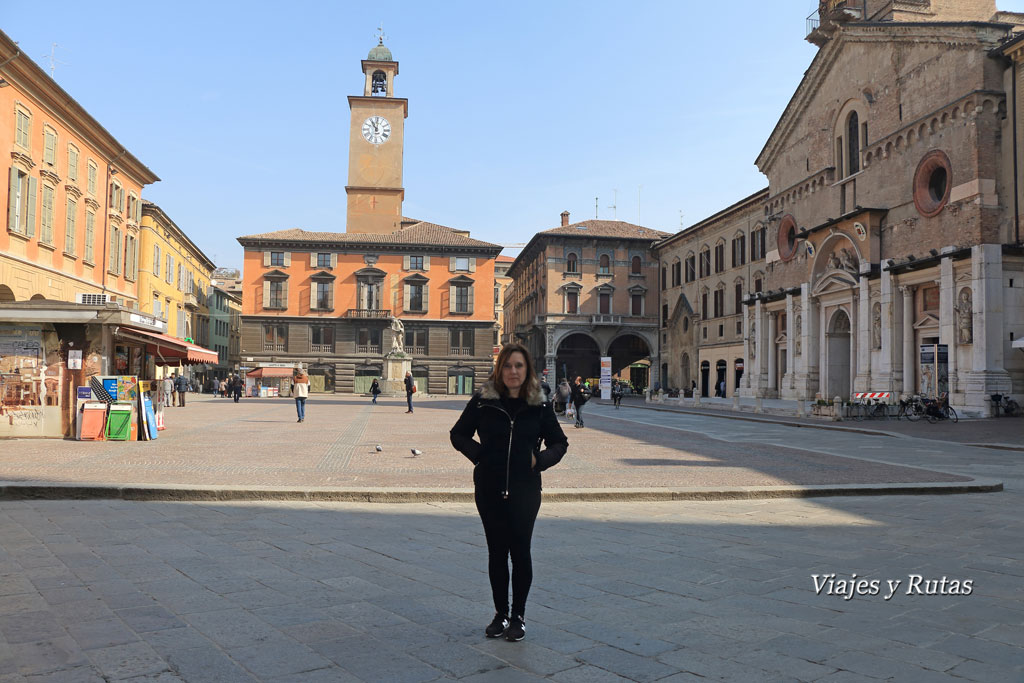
point(857, 410)
point(951, 414)
point(914, 412)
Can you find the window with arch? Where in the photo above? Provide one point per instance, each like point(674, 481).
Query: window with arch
point(719, 301)
point(676, 272)
point(851, 135)
point(704, 305)
point(604, 265)
point(720, 257)
point(853, 143)
point(23, 127)
point(691, 267)
point(757, 243)
point(379, 84)
point(739, 250)
point(636, 266)
point(571, 264)
point(705, 262)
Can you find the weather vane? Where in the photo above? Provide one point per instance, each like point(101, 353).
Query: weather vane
point(381, 36)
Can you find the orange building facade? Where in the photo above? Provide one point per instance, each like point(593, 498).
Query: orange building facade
point(72, 194)
point(390, 293)
point(328, 300)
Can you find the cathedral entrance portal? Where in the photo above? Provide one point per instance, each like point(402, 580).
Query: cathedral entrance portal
point(837, 340)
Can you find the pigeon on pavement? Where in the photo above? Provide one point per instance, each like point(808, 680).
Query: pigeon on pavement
point(378, 448)
point(416, 451)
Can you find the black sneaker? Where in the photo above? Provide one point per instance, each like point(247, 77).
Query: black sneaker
point(496, 629)
point(516, 629)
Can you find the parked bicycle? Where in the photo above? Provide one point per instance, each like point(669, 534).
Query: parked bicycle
point(870, 411)
point(911, 408)
point(939, 409)
point(1005, 406)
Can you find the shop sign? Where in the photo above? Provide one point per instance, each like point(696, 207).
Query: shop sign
point(147, 320)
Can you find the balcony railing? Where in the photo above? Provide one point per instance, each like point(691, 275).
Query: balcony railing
point(368, 313)
point(321, 348)
point(191, 301)
point(605, 319)
point(460, 351)
point(267, 346)
point(367, 348)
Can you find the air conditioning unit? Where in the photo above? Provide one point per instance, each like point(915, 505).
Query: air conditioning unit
point(93, 299)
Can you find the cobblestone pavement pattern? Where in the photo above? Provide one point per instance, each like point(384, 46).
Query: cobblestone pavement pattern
point(257, 442)
point(641, 591)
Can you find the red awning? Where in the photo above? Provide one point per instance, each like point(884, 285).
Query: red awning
point(259, 373)
point(169, 350)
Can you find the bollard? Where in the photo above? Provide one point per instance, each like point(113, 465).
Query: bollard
point(837, 409)
point(735, 401)
point(758, 405)
point(801, 411)
point(696, 399)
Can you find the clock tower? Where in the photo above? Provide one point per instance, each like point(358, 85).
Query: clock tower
point(376, 138)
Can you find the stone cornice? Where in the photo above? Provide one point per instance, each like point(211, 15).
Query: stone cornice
point(49, 175)
point(23, 159)
point(73, 191)
point(92, 203)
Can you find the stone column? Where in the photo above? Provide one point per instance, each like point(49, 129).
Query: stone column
point(771, 351)
point(909, 370)
point(748, 366)
point(810, 350)
point(885, 375)
point(862, 380)
point(988, 376)
point(760, 367)
point(947, 318)
point(787, 379)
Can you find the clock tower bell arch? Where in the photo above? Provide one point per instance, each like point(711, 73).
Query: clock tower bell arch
point(375, 147)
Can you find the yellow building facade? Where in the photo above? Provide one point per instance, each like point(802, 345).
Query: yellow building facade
point(174, 278)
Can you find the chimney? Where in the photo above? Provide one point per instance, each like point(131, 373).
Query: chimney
point(565, 218)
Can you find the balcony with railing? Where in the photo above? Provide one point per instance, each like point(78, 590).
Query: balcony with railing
point(460, 351)
point(271, 346)
point(605, 319)
point(367, 348)
point(371, 313)
point(321, 348)
point(191, 302)
point(833, 12)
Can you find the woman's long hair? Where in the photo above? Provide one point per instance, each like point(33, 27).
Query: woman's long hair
point(530, 384)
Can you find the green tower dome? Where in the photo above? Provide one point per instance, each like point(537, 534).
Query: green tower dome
point(380, 54)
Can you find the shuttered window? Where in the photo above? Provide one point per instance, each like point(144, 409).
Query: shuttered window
point(114, 265)
point(50, 147)
point(90, 236)
point(24, 125)
point(91, 179)
point(46, 219)
point(70, 226)
point(156, 260)
point(72, 163)
point(21, 208)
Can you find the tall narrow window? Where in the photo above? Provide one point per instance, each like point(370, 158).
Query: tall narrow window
point(70, 223)
point(604, 265)
point(605, 303)
point(91, 179)
point(23, 126)
point(50, 147)
point(156, 260)
point(90, 236)
point(853, 142)
point(115, 251)
point(46, 222)
point(691, 274)
point(637, 304)
point(570, 264)
point(72, 163)
point(572, 303)
point(637, 264)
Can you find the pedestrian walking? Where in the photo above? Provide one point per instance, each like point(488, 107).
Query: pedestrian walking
point(721, 389)
point(300, 390)
point(216, 386)
point(237, 388)
point(617, 395)
point(511, 419)
point(580, 395)
point(168, 390)
point(375, 390)
point(564, 394)
point(181, 386)
point(410, 389)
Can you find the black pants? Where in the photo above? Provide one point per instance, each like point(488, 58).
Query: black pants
point(508, 526)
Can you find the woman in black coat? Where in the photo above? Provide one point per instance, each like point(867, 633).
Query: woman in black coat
point(512, 419)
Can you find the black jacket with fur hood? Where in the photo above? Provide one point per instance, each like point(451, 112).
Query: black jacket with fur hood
point(502, 455)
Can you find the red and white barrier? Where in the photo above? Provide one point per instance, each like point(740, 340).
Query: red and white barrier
point(873, 394)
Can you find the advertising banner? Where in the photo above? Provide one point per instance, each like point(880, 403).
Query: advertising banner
point(606, 377)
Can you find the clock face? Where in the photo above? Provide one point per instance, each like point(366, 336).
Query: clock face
point(376, 130)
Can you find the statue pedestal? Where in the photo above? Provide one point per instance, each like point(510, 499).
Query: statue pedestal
point(396, 364)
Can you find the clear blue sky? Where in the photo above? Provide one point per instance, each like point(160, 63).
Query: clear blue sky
point(517, 111)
